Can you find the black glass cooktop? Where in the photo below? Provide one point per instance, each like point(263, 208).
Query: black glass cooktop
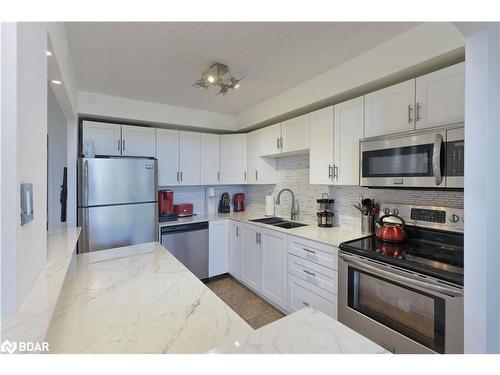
point(433, 253)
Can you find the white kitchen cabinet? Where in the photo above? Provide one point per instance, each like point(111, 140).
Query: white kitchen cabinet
point(233, 159)
point(106, 137)
point(218, 247)
point(138, 141)
point(274, 267)
point(321, 146)
point(305, 294)
point(189, 158)
point(271, 136)
point(261, 170)
point(295, 135)
point(440, 97)
point(209, 155)
point(234, 249)
point(390, 110)
point(348, 129)
point(251, 256)
point(167, 153)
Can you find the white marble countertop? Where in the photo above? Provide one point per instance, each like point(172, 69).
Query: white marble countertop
point(138, 299)
point(33, 317)
point(330, 236)
point(306, 331)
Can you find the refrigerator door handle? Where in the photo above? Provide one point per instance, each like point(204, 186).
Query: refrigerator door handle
point(86, 182)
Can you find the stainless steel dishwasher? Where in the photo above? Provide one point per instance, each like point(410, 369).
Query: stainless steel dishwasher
point(189, 244)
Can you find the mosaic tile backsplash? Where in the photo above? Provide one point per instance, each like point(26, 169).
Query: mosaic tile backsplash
point(293, 173)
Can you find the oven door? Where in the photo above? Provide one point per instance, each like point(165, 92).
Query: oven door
point(416, 159)
point(401, 311)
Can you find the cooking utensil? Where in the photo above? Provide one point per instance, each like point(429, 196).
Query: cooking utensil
point(360, 209)
point(390, 231)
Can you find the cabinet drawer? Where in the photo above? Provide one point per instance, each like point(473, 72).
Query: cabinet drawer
point(303, 294)
point(320, 276)
point(322, 254)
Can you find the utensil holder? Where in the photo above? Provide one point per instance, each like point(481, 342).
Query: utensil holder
point(367, 224)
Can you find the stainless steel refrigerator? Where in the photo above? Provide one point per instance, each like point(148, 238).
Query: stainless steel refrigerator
point(117, 202)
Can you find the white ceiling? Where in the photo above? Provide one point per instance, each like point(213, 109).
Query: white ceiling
point(158, 62)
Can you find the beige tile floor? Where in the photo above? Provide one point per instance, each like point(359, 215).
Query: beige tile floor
point(249, 306)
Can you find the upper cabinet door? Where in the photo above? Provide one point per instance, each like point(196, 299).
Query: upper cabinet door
point(348, 130)
point(209, 159)
point(233, 159)
point(106, 137)
point(271, 136)
point(390, 110)
point(440, 97)
point(189, 158)
point(167, 153)
point(138, 141)
point(295, 135)
point(254, 147)
point(321, 146)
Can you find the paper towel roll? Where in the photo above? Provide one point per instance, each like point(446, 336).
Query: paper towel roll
point(269, 205)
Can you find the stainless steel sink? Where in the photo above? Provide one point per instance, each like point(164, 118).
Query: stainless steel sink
point(270, 220)
point(279, 222)
point(289, 225)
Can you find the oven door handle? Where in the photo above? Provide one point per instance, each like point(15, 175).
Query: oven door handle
point(436, 159)
point(393, 275)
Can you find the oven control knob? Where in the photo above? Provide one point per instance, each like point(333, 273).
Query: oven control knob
point(395, 211)
point(454, 218)
point(387, 211)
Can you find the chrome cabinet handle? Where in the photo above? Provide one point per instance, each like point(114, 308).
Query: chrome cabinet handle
point(237, 231)
point(281, 143)
point(218, 176)
point(256, 237)
point(119, 145)
point(409, 114)
point(177, 176)
point(181, 176)
point(417, 114)
point(256, 175)
point(278, 143)
point(329, 171)
point(336, 172)
point(123, 145)
point(436, 159)
point(305, 303)
point(393, 275)
point(309, 273)
point(309, 250)
point(245, 175)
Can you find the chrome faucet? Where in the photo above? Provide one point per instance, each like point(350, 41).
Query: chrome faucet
point(294, 212)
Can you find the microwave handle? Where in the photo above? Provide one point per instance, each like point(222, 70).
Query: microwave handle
point(436, 159)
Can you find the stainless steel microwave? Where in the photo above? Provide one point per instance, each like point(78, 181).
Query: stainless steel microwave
point(431, 158)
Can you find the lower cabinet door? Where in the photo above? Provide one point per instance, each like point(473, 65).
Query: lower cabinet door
point(218, 246)
point(234, 250)
point(251, 257)
point(274, 267)
point(303, 294)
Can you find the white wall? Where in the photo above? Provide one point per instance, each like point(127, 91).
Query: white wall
point(417, 45)
point(122, 108)
point(24, 109)
point(57, 149)
point(482, 184)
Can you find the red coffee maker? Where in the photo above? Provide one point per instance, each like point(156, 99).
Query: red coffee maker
point(166, 205)
point(238, 202)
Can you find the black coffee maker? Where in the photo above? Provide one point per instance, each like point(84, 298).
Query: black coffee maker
point(224, 203)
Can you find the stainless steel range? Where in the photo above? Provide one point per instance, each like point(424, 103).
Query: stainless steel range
point(408, 297)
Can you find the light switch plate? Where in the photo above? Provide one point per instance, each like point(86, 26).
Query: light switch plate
point(26, 203)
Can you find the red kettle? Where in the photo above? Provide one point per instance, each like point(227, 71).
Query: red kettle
point(391, 232)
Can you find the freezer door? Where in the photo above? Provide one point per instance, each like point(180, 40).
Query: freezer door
point(105, 181)
point(107, 227)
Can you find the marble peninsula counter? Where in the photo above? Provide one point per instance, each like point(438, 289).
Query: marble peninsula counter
point(141, 299)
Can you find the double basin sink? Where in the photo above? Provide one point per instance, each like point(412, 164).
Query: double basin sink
point(279, 222)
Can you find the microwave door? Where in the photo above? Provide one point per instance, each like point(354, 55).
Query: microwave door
point(413, 160)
